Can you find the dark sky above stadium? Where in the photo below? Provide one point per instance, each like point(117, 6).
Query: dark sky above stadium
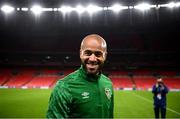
point(128, 30)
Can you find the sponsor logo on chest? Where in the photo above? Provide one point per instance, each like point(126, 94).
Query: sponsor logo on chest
point(85, 95)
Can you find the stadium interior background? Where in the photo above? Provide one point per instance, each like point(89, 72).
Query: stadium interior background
point(37, 48)
point(136, 39)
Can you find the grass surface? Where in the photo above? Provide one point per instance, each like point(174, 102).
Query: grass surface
point(139, 104)
point(32, 103)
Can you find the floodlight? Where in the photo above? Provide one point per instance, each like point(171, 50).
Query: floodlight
point(131, 7)
point(80, 9)
point(24, 9)
point(36, 9)
point(171, 5)
point(177, 4)
point(7, 8)
point(117, 7)
point(55, 9)
point(65, 9)
point(144, 6)
point(92, 9)
point(105, 8)
point(47, 9)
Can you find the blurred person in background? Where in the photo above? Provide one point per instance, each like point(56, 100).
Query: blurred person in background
point(160, 90)
point(85, 93)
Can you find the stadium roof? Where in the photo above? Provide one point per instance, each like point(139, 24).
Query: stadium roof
point(127, 31)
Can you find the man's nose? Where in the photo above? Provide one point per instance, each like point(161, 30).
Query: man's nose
point(92, 57)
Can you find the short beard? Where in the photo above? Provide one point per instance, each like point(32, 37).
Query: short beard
point(99, 68)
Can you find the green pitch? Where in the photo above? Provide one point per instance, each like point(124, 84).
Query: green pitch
point(32, 103)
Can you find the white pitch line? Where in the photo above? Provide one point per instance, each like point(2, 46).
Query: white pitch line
point(150, 101)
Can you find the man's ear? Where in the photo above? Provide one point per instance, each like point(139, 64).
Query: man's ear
point(80, 53)
point(105, 55)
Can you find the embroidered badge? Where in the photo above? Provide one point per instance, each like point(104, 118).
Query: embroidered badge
point(108, 93)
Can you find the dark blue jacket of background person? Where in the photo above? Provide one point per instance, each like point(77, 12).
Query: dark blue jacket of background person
point(158, 90)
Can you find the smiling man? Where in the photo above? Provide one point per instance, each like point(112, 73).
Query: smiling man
point(85, 93)
point(93, 53)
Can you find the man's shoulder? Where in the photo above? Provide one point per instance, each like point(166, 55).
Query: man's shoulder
point(105, 78)
point(68, 78)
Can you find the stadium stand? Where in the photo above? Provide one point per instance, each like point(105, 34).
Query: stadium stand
point(167, 73)
point(142, 72)
point(29, 78)
point(20, 79)
point(46, 78)
point(42, 81)
point(144, 79)
point(5, 75)
point(118, 73)
point(144, 82)
point(122, 82)
point(172, 82)
point(49, 71)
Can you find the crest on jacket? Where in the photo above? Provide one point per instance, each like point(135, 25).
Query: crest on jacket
point(108, 93)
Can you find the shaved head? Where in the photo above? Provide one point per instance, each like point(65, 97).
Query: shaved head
point(94, 39)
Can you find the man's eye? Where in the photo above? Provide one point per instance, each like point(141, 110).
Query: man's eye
point(88, 53)
point(98, 54)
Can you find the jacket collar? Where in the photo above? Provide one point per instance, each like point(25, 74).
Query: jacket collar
point(88, 77)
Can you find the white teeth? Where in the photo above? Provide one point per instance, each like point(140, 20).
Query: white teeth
point(92, 63)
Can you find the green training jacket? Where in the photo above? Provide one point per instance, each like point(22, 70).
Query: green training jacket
point(81, 96)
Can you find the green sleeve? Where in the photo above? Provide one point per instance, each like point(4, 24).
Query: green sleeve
point(59, 102)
